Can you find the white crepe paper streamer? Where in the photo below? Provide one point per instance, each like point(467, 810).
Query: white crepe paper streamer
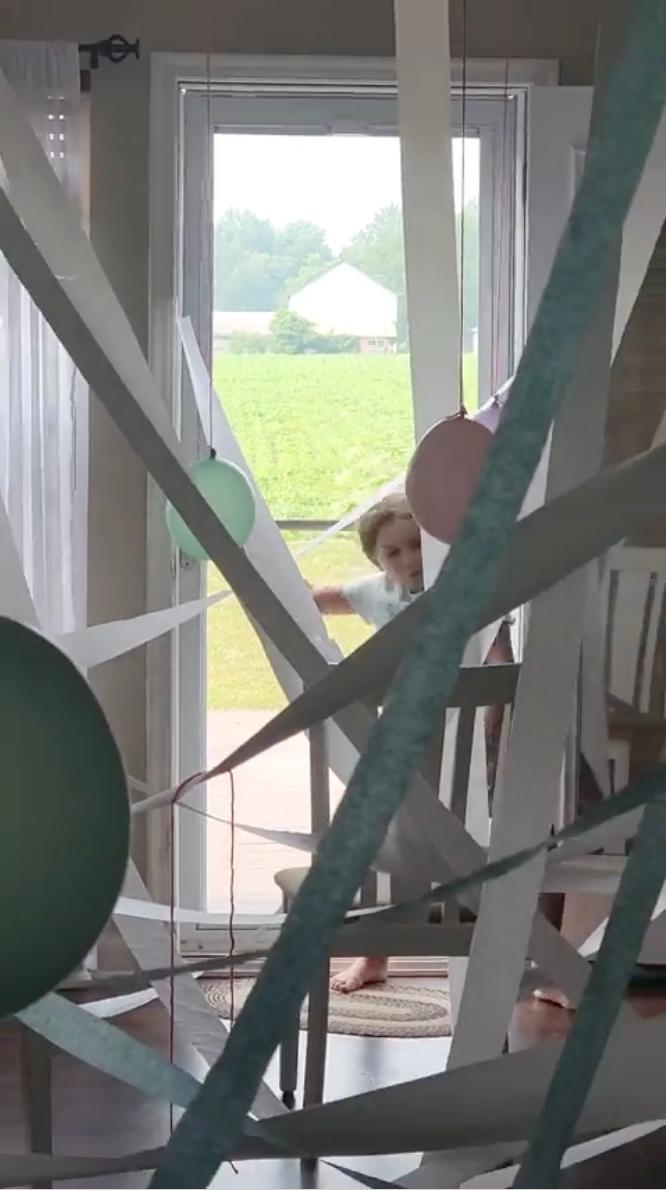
point(54, 226)
point(196, 1023)
point(15, 598)
point(104, 642)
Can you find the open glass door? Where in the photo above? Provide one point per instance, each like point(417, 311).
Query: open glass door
point(294, 278)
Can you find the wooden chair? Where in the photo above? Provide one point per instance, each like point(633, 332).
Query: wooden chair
point(449, 926)
point(632, 629)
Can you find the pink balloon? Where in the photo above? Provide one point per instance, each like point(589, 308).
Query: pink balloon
point(444, 473)
point(489, 415)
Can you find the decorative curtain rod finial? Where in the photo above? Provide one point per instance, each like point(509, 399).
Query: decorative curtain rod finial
point(115, 49)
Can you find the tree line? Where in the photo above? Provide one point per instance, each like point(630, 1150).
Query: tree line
point(258, 266)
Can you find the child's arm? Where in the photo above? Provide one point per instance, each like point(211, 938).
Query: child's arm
point(332, 601)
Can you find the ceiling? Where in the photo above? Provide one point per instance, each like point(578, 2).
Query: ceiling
point(562, 29)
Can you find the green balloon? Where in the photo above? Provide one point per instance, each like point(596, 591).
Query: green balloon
point(64, 817)
point(229, 493)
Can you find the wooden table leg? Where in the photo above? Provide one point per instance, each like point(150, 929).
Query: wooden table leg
point(37, 1094)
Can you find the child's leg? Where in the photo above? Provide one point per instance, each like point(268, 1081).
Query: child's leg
point(373, 969)
point(552, 904)
point(361, 973)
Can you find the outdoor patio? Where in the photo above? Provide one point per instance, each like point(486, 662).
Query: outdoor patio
point(271, 791)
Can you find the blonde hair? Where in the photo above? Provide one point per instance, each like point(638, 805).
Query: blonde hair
point(393, 507)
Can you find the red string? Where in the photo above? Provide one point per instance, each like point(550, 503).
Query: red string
point(232, 898)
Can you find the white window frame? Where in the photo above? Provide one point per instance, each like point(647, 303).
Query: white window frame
point(191, 96)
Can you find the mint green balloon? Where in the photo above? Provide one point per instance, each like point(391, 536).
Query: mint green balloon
point(229, 492)
point(64, 817)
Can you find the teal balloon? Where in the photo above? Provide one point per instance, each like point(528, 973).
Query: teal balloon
point(229, 493)
point(64, 817)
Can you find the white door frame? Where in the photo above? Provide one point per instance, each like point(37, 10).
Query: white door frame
point(176, 99)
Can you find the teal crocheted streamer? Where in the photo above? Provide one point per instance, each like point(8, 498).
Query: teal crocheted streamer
point(640, 886)
point(616, 156)
point(639, 793)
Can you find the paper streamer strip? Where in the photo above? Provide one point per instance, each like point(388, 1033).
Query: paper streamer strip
point(108, 1049)
point(33, 1168)
point(630, 916)
point(364, 1179)
point(104, 642)
point(196, 1023)
point(576, 1159)
point(209, 1130)
point(26, 1169)
point(266, 548)
point(53, 223)
point(494, 1102)
point(304, 842)
point(477, 686)
point(131, 906)
point(15, 597)
point(639, 793)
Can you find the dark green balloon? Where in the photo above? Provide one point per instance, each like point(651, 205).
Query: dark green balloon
point(64, 817)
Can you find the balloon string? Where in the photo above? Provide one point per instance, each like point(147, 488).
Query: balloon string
point(172, 944)
point(209, 247)
point(495, 380)
point(462, 411)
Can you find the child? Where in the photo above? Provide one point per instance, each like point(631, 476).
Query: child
point(391, 539)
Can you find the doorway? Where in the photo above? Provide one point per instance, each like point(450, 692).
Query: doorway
point(293, 276)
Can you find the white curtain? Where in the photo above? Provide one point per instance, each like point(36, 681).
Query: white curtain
point(43, 400)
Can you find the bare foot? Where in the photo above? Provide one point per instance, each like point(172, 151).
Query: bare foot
point(360, 974)
point(551, 995)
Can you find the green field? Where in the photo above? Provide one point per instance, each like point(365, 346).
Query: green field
point(320, 433)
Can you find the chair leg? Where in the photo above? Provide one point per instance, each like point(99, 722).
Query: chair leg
point(36, 1085)
point(289, 1050)
point(315, 1060)
point(289, 1063)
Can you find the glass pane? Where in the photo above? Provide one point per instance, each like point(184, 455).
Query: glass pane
point(311, 362)
point(243, 694)
point(310, 329)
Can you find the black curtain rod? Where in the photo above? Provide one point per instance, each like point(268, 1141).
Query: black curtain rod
point(115, 49)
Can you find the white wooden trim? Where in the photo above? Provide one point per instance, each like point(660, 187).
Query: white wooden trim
point(191, 889)
point(167, 71)
point(480, 72)
point(161, 655)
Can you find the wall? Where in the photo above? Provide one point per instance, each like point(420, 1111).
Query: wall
point(562, 29)
point(119, 231)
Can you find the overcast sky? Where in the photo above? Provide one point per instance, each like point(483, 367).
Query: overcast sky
point(338, 182)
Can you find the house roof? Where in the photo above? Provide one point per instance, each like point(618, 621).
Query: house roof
point(342, 266)
point(242, 322)
point(346, 301)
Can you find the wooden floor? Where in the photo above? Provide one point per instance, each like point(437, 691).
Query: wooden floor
point(94, 1115)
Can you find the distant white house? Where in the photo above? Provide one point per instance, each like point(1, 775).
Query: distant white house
point(228, 323)
point(345, 301)
point(341, 301)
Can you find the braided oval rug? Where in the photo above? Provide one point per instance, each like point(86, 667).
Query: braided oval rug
point(388, 1010)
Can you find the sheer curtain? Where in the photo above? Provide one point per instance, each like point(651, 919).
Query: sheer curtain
point(43, 400)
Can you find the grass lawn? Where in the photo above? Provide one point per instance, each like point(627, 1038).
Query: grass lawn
point(239, 676)
point(320, 433)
